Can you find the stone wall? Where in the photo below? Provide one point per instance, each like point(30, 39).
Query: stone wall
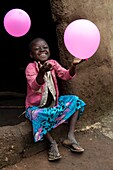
point(94, 81)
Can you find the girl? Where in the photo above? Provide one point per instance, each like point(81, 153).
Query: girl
point(44, 107)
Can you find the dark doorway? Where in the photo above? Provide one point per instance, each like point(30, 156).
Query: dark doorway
point(15, 50)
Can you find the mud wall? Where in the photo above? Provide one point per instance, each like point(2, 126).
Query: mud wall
point(94, 81)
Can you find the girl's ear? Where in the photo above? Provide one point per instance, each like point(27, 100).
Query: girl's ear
point(31, 55)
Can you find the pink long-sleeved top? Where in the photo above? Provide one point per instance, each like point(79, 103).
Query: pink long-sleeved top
point(35, 90)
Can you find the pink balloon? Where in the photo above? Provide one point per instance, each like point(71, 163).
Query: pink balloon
point(82, 38)
point(17, 22)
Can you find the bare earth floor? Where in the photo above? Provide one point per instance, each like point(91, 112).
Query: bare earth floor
point(96, 139)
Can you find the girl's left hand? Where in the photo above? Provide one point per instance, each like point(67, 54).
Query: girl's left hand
point(77, 61)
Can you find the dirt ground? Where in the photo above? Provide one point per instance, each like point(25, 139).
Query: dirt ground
point(96, 139)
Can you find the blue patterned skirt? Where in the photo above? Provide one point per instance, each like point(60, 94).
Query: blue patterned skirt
point(45, 119)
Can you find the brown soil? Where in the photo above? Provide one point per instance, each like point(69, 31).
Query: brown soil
point(98, 154)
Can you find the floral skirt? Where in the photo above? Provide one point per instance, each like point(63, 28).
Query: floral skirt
point(45, 119)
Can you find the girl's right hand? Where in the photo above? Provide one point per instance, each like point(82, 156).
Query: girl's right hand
point(45, 67)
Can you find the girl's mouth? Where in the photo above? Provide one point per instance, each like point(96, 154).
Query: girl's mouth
point(43, 55)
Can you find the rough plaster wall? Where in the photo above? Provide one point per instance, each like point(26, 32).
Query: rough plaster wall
point(94, 81)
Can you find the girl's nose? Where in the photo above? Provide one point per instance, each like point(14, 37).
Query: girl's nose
point(41, 49)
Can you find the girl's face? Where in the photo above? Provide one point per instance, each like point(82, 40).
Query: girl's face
point(40, 51)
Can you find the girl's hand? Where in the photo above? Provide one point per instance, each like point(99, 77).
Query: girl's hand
point(42, 70)
point(45, 67)
point(77, 61)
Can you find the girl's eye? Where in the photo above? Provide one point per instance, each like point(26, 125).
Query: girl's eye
point(37, 48)
point(41, 48)
point(45, 47)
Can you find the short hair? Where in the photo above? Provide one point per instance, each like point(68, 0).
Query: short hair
point(35, 41)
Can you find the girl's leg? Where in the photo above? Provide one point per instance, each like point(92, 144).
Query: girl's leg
point(71, 141)
point(53, 151)
point(49, 138)
point(72, 122)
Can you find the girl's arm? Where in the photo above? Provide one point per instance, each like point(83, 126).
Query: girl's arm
point(75, 62)
point(42, 70)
